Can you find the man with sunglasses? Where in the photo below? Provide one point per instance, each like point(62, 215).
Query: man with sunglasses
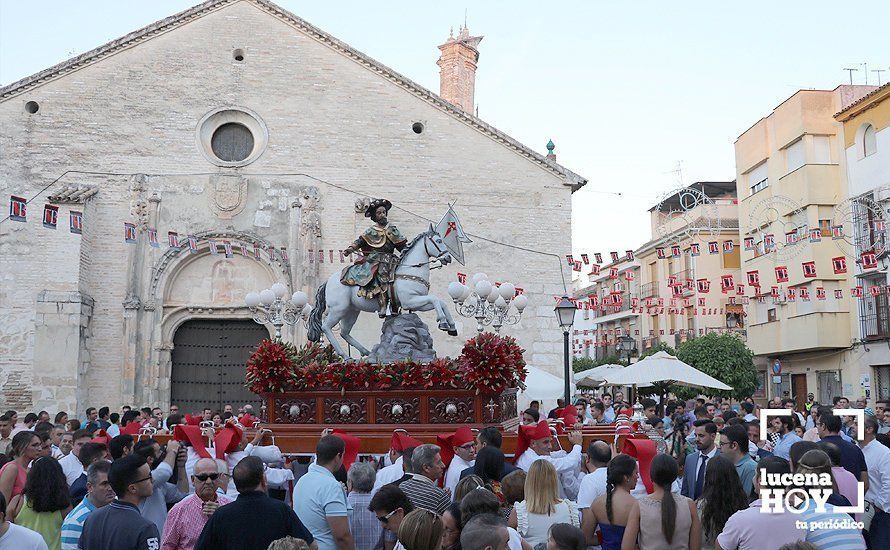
point(120, 525)
point(390, 504)
point(188, 517)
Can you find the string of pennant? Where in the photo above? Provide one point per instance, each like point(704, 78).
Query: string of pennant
point(814, 235)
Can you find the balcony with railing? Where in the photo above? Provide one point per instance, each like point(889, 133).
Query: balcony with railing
point(874, 318)
point(649, 290)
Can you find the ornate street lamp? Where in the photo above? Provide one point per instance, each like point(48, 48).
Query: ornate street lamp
point(565, 315)
point(269, 306)
point(487, 303)
point(626, 346)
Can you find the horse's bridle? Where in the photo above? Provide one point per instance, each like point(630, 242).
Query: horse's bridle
point(438, 256)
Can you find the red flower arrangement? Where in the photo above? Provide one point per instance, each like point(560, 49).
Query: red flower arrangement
point(489, 364)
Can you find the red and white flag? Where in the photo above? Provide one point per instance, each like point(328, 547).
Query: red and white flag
point(781, 274)
point(629, 255)
point(243, 246)
point(129, 233)
point(256, 251)
point(837, 232)
point(704, 286)
point(675, 251)
point(585, 258)
point(18, 209)
point(815, 235)
point(856, 292)
point(713, 247)
point(597, 257)
point(726, 283)
point(172, 239)
point(769, 242)
point(754, 278)
point(869, 260)
point(659, 253)
point(791, 237)
point(805, 294)
point(570, 259)
point(75, 222)
point(575, 267)
point(50, 216)
point(839, 264)
point(629, 275)
point(211, 244)
point(595, 269)
point(820, 293)
point(695, 249)
point(728, 247)
point(153, 238)
point(614, 256)
point(227, 246)
point(809, 269)
point(613, 272)
point(749, 243)
point(193, 244)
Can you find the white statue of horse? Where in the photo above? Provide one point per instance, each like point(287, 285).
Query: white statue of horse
point(411, 286)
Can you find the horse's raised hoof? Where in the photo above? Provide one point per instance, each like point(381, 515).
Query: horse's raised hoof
point(452, 332)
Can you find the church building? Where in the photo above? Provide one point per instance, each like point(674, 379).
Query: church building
point(156, 180)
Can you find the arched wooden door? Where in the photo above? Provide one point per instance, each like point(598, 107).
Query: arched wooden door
point(209, 362)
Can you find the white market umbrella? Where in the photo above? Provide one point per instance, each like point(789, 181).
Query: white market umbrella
point(594, 378)
point(542, 386)
point(663, 367)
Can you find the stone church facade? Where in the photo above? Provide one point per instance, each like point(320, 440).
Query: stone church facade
point(236, 120)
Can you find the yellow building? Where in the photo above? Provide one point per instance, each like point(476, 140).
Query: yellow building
point(866, 142)
point(790, 173)
point(673, 308)
point(606, 314)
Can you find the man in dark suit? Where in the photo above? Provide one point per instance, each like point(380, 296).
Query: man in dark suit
point(697, 463)
point(489, 436)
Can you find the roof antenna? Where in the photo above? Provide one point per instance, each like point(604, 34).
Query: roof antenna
point(465, 17)
point(879, 71)
point(850, 71)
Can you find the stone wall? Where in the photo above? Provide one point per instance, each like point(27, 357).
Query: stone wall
point(332, 123)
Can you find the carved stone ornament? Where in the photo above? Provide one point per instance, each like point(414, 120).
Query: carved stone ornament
point(361, 205)
point(295, 411)
point(346, 411)
point(397, 410)
point(131, 301)
point(450, 410)
point(228, 195)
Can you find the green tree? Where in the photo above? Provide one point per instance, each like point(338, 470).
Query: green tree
point(660, 346)
point(726, 358)
point(582, 363)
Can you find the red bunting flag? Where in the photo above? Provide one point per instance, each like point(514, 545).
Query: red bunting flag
point(18, 209)
point(740, 290)
point(726, 283)
point(815, 235)
point(876, 290)
point(129, 233)
point(227, 246)
point(713, 247)
point(629, 275)
point(774, 292)
point(193, 244)
point(677, 290)
point(694, 249)
point(614, 256)
point(704, 286)
point(462, 278)
point(571, 259)
point(839, 264)
point(629, 255)
point(856, 292)
point(659, 253)
point(879, 225)
point(153, 238)
point(284, 258)
point(212, 246)
point(585, 258)
point(749, 243)
point(597, 257)
point(791, 294)
point(781, 274)
point(595, 269)
point(172, 239)
point(243, 246)
point(50, 216)
point(256, 251)
point(809, 269)
point(869, 260)
point(791, 237)
point(837, 232)
point(728, 247)
point(577, 265)
point(672, 280)
point(805, 294)
point(75, 222)
point(820, 293)
point(754, 278)
point(613, 272)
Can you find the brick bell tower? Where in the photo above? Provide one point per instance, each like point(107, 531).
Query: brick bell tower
point(457, 69)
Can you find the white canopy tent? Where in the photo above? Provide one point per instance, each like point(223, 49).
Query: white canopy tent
point(595, 377)
point(542, 386)
point(663, 367)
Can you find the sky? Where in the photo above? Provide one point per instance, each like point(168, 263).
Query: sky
point(628, 91)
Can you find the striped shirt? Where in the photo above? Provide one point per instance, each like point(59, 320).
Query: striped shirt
point(72, 527)
point(423, 493)
point(831, 529)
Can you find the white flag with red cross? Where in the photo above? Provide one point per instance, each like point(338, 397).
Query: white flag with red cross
point(454, 237)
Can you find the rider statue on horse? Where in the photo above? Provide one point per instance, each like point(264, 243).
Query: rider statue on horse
point(374, 271)
point(392, 274)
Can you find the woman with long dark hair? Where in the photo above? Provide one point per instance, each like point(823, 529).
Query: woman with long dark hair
point(612, 509)
point(723, 496)
point(44, 503)
point(663, 520)
point(24, 449)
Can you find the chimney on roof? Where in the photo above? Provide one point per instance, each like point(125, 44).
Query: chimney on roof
point(457, 68)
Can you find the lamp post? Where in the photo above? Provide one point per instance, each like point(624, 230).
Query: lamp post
point(271, 306)
point(565, 315)
point(626, 346)
point(487, 303)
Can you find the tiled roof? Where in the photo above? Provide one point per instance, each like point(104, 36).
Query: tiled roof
point(867, 97)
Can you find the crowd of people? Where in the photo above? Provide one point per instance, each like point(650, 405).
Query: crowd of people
point(702, 476)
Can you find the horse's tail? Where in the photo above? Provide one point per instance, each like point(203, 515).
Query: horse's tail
point(314, 330)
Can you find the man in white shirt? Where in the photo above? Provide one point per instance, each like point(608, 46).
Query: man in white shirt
point(877, 458)
point(535, 442)
point(458, 453)
point(70, 463)
point(398, 445)
point(593, 485)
